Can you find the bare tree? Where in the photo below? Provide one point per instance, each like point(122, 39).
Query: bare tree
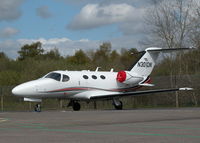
point(195, 26)
point(169, 24)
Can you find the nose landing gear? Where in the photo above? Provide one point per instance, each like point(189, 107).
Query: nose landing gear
point(117, 104)
point(37, 108)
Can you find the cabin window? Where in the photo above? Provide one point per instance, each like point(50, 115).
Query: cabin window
point(94, 77)
point(65, 78)
point(103, 77)
point(53, 75)
point(85, 77)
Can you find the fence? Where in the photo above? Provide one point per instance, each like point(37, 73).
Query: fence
point(182, 99)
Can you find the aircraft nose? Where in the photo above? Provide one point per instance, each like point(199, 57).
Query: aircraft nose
point(23, 90)
point(31, 88)
point(14, 91)
point(17, 91)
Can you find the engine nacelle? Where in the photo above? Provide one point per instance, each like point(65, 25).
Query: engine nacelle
point(128, 77)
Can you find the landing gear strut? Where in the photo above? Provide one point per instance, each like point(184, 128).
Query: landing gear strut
point(37, 108)
point(117, 104)
point(75, 105)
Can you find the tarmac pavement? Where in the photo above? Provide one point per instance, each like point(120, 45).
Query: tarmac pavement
point(103, 126)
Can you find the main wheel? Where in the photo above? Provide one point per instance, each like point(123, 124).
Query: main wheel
point(119, 106)
point(37, 108)
point(76, 106)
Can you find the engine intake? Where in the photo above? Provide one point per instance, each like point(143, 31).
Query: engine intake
point(121, 76)
point(128, 77)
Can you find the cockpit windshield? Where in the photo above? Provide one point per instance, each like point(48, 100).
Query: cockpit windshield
point(54, 75)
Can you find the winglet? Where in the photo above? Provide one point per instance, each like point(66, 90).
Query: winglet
point(185, 88)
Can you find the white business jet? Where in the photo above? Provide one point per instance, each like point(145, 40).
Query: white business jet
point(94, 85)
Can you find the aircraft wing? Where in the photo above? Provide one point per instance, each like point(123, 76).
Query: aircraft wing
point(98, 94)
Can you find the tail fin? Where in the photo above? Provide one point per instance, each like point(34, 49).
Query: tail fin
point(146, 63)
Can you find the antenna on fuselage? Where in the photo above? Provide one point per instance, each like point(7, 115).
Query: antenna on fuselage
point(97, 69)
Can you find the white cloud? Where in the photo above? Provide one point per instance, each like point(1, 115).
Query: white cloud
point(10, 9)
point(138, 3)
point(78, 1)
point(43, 12)
point(95, 15)
point(65, 45)
point(127, 42)
point(8, 32)
point(10, 48)
point(44, 41)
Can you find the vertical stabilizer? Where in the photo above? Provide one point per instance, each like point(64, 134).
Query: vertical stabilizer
point(146, 63)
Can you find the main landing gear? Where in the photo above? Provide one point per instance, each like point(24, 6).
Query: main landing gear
point(117, 104)
point(37, 108)
point(75, 105)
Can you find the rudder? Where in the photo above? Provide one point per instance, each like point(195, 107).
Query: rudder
point(146, 63)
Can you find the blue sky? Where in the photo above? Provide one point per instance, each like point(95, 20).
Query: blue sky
point(70, 25)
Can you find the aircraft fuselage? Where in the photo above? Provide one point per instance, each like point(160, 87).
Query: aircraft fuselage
point(77, 81)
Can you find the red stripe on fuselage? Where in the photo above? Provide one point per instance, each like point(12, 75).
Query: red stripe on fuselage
point(89, 88)
point(148, 80)
point(68, 89)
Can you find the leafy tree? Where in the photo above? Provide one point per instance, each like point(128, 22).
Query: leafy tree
point(4, 61)
point(128, 57)
point(114, 61)
point(53, 54)
point(3, 56)
point(80, 58)
point(102, 55)
point(31, 51)
point(9, 77)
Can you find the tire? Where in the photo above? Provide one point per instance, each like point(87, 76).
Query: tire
point(76, 106)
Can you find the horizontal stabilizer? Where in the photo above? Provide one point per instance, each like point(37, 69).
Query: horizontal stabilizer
point(185, 88)
point(167, 50)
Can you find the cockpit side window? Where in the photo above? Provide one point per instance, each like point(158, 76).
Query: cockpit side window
point(65, 78)
point(53, 75)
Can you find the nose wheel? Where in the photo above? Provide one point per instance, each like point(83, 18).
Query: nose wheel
point(117, 104)
point(37, 108)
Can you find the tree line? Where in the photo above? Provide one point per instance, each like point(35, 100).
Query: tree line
point(33, 62)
